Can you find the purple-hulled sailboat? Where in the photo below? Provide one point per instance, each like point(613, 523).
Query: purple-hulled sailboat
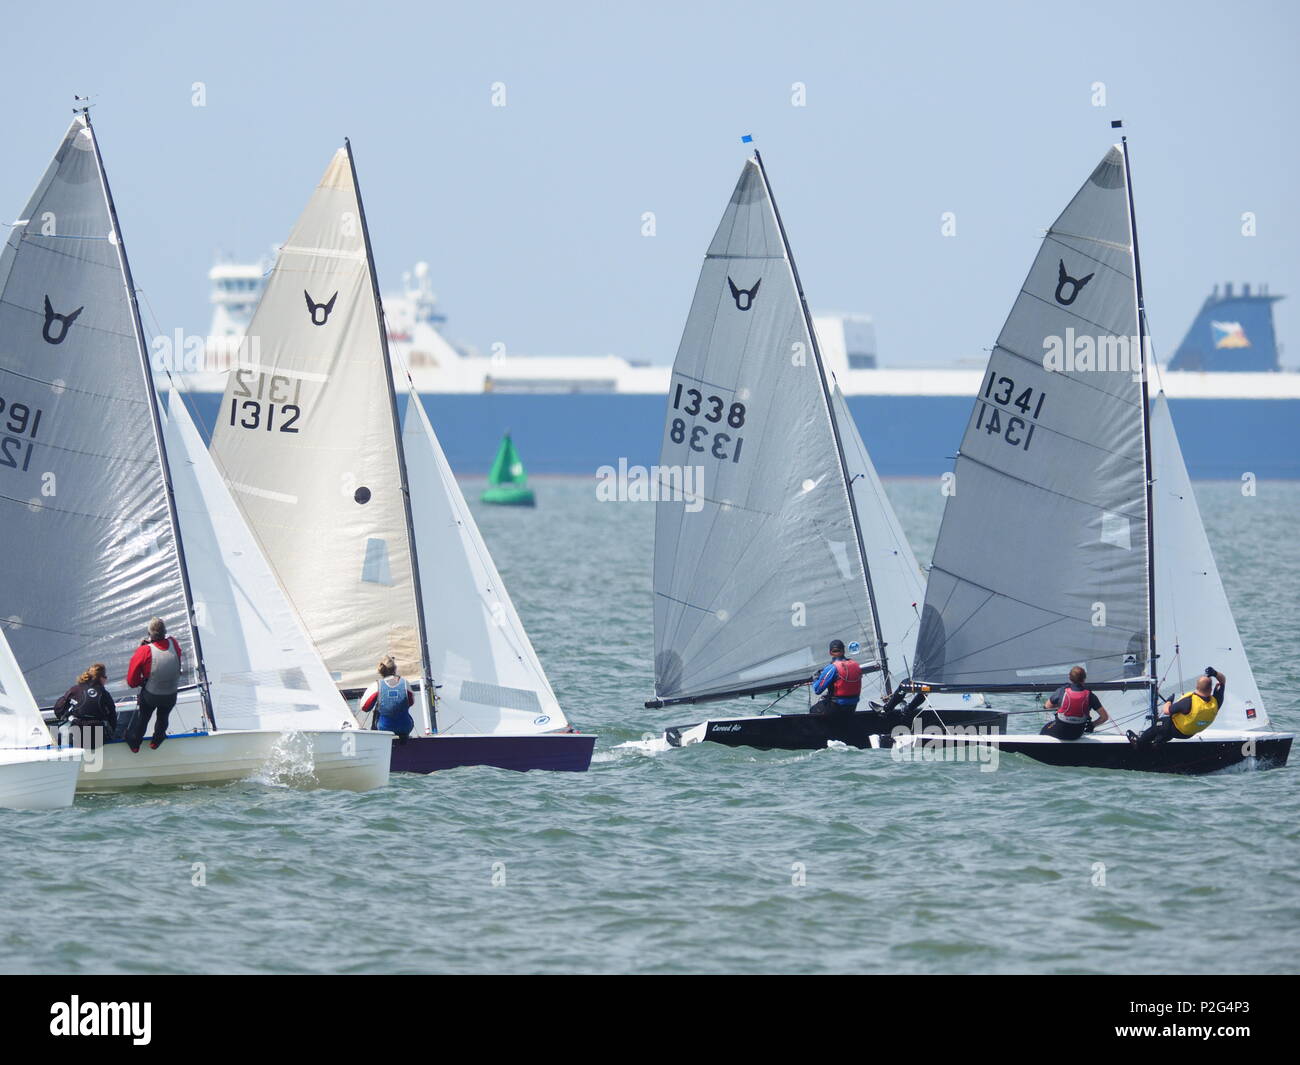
point(360, 515)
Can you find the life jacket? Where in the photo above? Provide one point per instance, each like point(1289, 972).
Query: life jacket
point(390, 705)
point(848, 679)
point(164, 669)
point(88, 705)
point(1201, 716)
point(1074, 707)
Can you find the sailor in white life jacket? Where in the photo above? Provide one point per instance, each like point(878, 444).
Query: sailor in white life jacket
point(1074, 704)
point(391, 698)
point(839, 684)
point(156, 670)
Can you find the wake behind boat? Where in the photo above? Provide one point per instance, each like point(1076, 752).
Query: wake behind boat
point(791, 541)
point(360, 515)
point(1104, 562)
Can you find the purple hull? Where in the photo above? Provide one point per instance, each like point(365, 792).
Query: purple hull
point(565, 752)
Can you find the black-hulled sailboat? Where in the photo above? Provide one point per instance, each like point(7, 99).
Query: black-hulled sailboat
point(1073, 537)
point(773, 535)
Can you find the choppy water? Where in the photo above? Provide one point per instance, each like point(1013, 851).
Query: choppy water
point(687, 860)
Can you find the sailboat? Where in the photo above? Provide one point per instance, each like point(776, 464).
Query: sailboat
point(773, 535)
point(507, 481)
point(34, 774)
point(95, 543)
point(1073, 537)
point(360, 515)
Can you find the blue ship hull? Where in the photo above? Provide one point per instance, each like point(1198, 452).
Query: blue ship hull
point(907, 436)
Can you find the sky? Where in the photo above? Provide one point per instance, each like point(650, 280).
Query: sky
point(531, 214)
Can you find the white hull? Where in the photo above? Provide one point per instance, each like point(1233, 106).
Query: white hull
point(344, 758)
point(38, 778)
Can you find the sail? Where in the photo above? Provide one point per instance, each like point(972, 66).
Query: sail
point(305, 441)
point(1194, 623)
point(261, 666)
point(896, 578)
point(20, 719)
point(1041, 561)
point(507, 467)
point(90, 553)
point(757, 563)
point(488, 675)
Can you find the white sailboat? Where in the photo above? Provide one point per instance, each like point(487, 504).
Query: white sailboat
point(34, 774)
point(790, 541)
point(95, 544)
point(361, 517)
point(1074, 537)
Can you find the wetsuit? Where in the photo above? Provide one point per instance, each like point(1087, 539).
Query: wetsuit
point(840, 686)
point(88, 707)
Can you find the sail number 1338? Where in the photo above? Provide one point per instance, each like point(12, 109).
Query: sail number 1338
point(718, 416)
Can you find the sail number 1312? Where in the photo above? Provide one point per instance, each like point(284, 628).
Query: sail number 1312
point(273, 408)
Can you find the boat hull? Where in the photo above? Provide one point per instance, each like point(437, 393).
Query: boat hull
point(351, 759)
point(563, 752)
point(808, 732)
point(1207, 753)
point(43, 778)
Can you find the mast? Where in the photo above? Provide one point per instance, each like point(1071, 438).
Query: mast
point(156, 422)
point(835, 429)
point(401, 452)
point(1146, 433)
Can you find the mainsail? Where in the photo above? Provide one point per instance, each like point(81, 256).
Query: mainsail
point(305, 440)
point(758, 560)
point(1042, 557)
point(21, 724)
point(488, 675)
point(262, 669)
point(90, 549)
point(1194, 623)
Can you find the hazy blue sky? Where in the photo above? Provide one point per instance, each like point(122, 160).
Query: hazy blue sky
point(530, 215)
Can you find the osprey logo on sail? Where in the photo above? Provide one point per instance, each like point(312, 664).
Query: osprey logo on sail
point(747, 294)
point(1076, 285)
point(63, 321)
point(320, 312)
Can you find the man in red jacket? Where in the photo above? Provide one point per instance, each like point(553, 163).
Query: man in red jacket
point(156, 670)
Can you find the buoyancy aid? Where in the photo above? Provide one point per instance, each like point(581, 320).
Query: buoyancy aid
point(848, 679)
point(1201, 716)
point(164, 669)
point(1074, 706)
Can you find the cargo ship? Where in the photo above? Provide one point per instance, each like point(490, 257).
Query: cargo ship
point(573, 415)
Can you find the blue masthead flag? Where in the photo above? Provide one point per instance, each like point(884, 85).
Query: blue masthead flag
point(746, 139)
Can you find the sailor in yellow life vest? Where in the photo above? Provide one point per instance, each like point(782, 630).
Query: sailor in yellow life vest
point(1183, 718)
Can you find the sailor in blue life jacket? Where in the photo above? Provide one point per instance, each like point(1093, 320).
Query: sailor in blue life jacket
point(1074, 705)
point(1185, 717)
point(391, 698)
point(839, 684)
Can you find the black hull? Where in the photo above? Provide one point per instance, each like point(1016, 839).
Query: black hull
point(809, 732)
point(1185, 758)
point(559, 752)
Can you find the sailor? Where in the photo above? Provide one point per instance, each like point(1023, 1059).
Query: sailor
point(391, 698)
point(1183, 718)
point(839, 684)
point(1074, 704)
point(156, 670)
point(88, 707)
